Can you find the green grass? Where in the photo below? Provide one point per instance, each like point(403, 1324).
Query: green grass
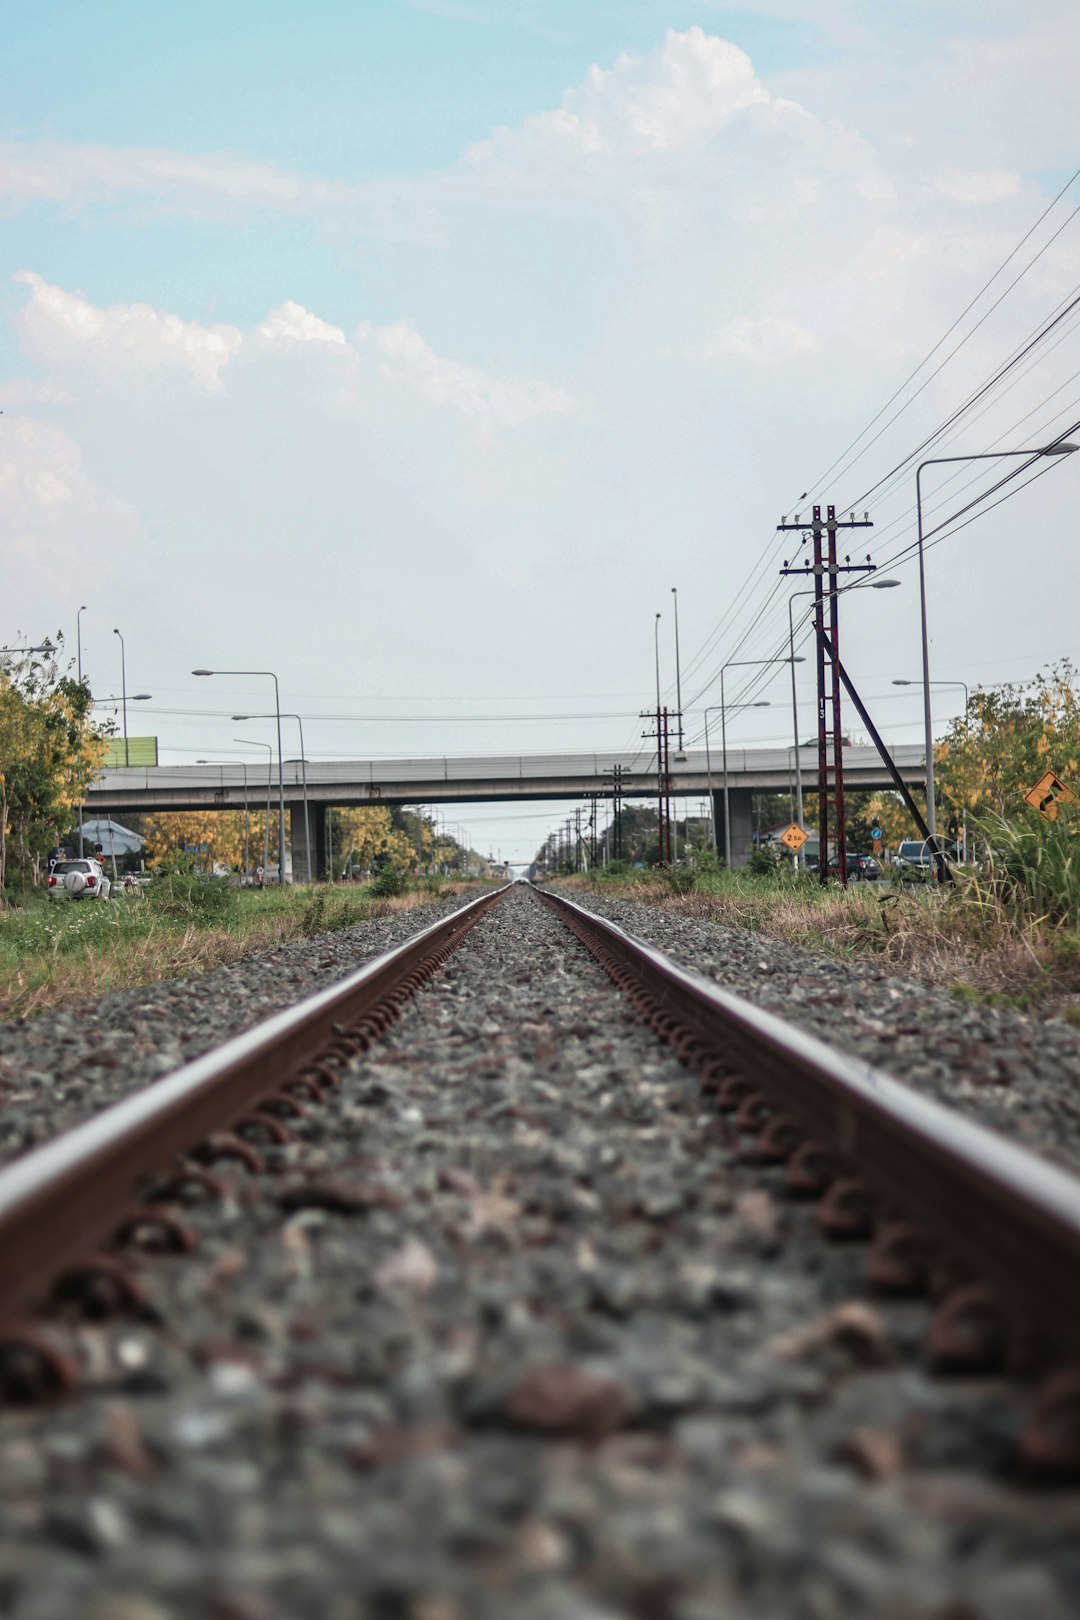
point(984, 937)
point(57, 952)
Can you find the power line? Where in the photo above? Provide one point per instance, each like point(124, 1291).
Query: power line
point(946, 335)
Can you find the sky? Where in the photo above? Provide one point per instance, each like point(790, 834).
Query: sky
point(416, 350)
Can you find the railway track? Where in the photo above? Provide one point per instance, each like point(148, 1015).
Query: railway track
point(102, 1226)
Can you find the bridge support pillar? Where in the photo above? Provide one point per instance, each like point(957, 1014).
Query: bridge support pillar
point(741, 801)
point(298, 843)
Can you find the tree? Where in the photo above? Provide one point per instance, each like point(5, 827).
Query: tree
point(50, 751)
point(366, 833)
point(171, 833)
point(1011, 736)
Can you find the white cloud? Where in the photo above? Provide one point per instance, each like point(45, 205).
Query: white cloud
point(133, 344)
point(50, 503)
point(489, 401)
point(63, 329)
point(692, 85)
point(27, 391)
point(292, 323)
point(75, 173)
point(769, 341)
point(627, 277)
point(977, 188)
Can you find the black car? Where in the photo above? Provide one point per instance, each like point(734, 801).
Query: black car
point(860, 868)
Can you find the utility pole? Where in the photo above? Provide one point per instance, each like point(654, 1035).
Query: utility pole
point(826, 565)
point(666, 786)
point(663, 781)
point(616, 777)
point(678, 667)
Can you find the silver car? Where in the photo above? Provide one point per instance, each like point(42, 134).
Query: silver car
point(79, 880)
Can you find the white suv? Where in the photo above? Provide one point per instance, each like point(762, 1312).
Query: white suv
point(79, 880)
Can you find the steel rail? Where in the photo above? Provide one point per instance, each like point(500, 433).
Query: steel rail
point(1014, 1217)
point(64, 1197)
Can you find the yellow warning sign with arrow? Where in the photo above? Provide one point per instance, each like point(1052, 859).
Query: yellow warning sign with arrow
point(1048, 794)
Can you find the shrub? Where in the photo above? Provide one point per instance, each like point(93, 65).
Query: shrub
point(389, 881)
point(680, 879)
point(189, 896)
point(764, 860)
point(1034, 864)
point(326, 908)
point(615, 869)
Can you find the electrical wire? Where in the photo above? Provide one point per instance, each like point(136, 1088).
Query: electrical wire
point(946, 335)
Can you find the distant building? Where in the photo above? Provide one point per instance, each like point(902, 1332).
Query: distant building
point(114, 839)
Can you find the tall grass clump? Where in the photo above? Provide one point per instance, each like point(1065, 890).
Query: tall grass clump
point(1032, 865)
point(189, 897)
point(326, 908)
point(389, 881)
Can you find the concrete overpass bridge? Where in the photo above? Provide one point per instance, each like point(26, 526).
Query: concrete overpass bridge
point(487, 779)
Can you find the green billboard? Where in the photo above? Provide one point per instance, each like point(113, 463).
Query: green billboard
point(140, 751)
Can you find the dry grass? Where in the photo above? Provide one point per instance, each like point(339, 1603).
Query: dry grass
point(52, 956)
point(965, 942)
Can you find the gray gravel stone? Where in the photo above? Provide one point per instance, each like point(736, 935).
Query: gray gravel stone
point(558, 1375)
point(1015, 1073)
point(59, 1066)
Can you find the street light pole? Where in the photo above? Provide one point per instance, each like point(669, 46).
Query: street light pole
point(656, 650)
point(249, 742)
point(967, 699)
point(303, 766)
point(738, 663)
point(78, 651)
point(267, 673)
point(123, 689)
point(1062, 449)
point(247, 820)
point(873, 585)
point(715, 708)
point(678, 670)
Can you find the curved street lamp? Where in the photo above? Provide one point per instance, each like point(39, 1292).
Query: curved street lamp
point(738, 663)
point(714, 708)
point(303, 763)
point(250, 742)
point(871, 585)
point(269, 674)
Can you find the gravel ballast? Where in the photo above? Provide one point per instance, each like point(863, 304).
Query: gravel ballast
point(1016, 1074)
point(509, 1330)
point(59, 1067)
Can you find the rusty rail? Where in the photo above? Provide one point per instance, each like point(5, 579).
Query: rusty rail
point(887, 1163)
point(923, 1179)
point(72, 1193)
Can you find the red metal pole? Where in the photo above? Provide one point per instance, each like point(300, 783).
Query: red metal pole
point(837, 723)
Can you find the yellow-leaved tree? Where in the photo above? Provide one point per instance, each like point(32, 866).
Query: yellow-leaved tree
point(363, 832)
point(1009, 738)
point(50, 751)
point(224, 837)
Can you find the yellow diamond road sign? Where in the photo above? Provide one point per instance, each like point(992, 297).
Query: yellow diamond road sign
point(794, 837)
point(1048, 793)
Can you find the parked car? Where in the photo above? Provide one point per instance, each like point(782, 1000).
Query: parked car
point(860, 868)
point(913, 852)
point(78, 880)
